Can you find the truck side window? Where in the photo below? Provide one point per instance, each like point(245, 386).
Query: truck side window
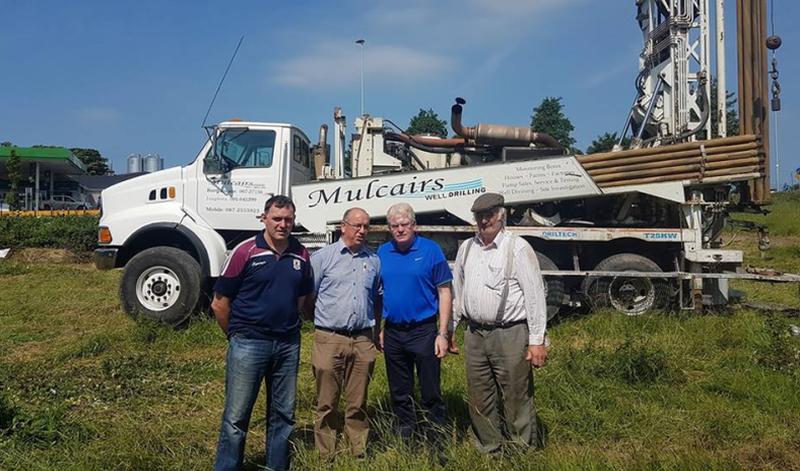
point(305, 152)
point(297, 154)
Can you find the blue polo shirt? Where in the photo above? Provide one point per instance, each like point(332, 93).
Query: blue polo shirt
point(347, 285)
point(264, 287)
point(411, 280)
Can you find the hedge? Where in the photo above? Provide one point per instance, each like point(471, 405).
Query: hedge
point(76, 233)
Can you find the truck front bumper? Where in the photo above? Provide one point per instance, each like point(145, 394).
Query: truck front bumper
point(105, 258)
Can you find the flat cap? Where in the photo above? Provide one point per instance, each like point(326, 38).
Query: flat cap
point(487, 201)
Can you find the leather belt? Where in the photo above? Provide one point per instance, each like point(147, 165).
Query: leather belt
point(344, 332)
point(494, 325)
point(410, 325)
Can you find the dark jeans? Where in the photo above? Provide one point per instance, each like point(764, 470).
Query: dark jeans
point(249, 362)
point(404, 349)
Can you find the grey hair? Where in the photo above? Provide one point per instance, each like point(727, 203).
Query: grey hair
point(401, 209)
point(503, 213)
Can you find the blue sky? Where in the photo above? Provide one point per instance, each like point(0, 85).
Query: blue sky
point(137, 77)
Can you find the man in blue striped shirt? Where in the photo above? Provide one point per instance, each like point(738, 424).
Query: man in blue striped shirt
point(346, 313)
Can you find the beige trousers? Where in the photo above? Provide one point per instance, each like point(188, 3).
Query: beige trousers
point(342, 364)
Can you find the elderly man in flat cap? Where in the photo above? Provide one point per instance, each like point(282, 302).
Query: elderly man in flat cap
point(499, 292)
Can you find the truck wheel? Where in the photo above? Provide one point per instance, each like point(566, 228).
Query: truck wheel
point(631, 296)
point(553, 285)
point(161, 283)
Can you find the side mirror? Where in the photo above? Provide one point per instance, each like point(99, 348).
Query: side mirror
point(213, 165)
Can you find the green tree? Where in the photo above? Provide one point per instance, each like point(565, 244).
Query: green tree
point(731, 114)
point(606, 142)
point(549, 118)
point(14, 171)
point(95, 163)
point(427, 122)
point(6, 144)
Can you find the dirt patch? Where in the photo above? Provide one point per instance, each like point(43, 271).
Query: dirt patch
point(39, 255)
point(767, 454)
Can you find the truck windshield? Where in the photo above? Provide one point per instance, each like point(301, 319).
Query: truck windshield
point(246, 148)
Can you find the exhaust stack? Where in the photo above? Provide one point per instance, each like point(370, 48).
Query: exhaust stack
point(497, 134)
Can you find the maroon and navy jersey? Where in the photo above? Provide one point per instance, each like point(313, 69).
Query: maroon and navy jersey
point(264, 287)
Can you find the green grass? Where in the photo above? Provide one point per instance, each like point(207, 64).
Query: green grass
point(84, 387)
point(783, 255)
point(782, 219)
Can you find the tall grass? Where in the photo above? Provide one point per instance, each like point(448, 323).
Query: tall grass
point(782, 218)
point(83, 387)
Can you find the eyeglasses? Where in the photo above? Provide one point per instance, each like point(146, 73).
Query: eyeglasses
point(404, 225)
point(357, 227)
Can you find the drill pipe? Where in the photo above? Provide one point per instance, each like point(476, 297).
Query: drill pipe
point(666, 149)
point(715, 161)
point(668, 156)
point(672, 169)
point(709, 176)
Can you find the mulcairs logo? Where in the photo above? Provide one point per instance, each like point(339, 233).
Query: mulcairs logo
point(430, 189)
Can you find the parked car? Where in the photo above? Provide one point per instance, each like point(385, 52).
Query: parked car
point(65, 202)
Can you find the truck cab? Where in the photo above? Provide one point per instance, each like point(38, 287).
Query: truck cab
point(172, 229)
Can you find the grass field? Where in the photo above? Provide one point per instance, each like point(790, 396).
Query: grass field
point(84, 387)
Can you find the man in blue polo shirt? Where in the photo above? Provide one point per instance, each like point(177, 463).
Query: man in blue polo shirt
point(416, 285)
point(256, 304)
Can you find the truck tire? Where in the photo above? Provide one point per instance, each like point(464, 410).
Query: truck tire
point(162, 284)
point(631, 296)
point(553, 285)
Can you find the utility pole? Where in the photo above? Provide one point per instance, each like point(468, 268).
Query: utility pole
point(722, 91)
point(362, 42)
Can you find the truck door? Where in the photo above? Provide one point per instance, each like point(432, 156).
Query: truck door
point(232, 198)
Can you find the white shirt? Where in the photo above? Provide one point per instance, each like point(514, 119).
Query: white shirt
point(482, 279)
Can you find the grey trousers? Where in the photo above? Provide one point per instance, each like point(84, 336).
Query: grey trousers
point(500, 386)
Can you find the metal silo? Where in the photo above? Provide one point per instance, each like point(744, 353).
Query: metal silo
point(152, 163)
point(134, 163)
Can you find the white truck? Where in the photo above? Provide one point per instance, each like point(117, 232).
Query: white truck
point(631, 230)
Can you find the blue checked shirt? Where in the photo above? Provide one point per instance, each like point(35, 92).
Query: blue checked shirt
point(346, 285)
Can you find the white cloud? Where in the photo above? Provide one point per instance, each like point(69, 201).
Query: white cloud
point(485, 32)
point(600, 77)
point(97, 115)
point(513, 8)
point(458, 24)
point(417, 40)
point(337, 64)
point(623, 67)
